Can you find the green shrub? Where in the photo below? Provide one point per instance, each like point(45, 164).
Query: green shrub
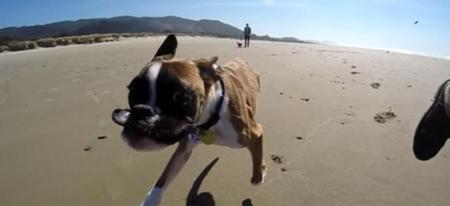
point(31, 45)
point(3, 48)
point(79, 40)
point(98, 39)
point(63, 41)
point(23, 45)
point(49, 42)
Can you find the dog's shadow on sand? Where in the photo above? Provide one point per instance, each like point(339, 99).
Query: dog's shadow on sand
point(206, 198)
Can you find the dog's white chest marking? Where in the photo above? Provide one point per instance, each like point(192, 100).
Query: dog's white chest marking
point(226, 133)
point(152, 74)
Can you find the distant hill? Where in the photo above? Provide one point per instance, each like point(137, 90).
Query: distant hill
point(123, 24)
point(130, 24)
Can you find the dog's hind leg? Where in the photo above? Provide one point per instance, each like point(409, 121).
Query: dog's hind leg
point(255, 146)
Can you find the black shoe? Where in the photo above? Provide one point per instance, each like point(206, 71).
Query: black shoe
point(433, 129)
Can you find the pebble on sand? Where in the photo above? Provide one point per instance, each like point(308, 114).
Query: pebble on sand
point(305, 99)
point(102, 137)
point(375, 85)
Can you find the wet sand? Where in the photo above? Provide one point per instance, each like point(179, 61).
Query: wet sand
point(318, 104)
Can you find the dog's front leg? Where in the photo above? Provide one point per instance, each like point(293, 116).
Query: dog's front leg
point(176, 163)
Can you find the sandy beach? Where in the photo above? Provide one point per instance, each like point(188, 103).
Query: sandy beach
point(58, 145)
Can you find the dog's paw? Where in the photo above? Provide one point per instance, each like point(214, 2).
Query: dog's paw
point(153, 197)
point(259, 179)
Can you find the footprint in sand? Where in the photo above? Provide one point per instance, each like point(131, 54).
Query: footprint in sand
point(48, 95)
point(102, 123)
point(106, 92)
point(351, 114)
point(277, 158)
point(94, 96)
point(390, 158)
point(383, 117)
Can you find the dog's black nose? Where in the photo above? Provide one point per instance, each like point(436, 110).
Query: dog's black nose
point(143, 110)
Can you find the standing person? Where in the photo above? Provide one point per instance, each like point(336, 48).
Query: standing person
point(434, 127)
point(247, 33)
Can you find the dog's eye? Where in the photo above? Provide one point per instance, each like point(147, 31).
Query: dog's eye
point(181, 97)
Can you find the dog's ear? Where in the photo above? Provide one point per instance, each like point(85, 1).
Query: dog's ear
point(208, 69)
point(167, 49)
point(120, 116)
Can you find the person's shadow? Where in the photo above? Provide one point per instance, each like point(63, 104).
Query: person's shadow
point(205, 198)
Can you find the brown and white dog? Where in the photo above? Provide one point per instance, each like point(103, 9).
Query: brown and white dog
point(180, 100)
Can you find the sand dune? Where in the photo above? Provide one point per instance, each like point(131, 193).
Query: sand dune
point(318, 104)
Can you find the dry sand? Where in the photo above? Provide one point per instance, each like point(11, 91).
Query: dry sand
point(317, 105)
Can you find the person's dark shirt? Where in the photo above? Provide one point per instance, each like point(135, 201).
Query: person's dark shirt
point(247, 31)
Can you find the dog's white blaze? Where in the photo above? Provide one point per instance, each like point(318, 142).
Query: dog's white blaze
point(152, 75)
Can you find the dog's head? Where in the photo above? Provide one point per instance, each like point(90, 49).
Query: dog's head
point(165, 98)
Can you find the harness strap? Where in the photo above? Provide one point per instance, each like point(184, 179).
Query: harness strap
point(216, 115)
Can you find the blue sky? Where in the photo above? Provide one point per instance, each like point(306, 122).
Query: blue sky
point(387, 24)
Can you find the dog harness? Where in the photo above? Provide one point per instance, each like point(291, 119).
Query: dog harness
point(202, 132)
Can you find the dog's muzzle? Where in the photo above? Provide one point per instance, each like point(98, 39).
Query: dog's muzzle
point(144, 121)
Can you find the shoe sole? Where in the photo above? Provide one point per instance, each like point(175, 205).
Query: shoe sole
point(439, 94)
point(438, 98)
